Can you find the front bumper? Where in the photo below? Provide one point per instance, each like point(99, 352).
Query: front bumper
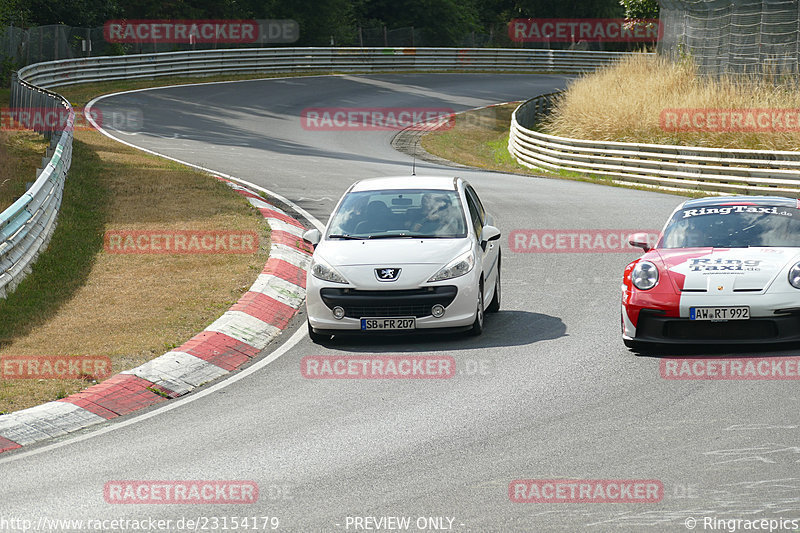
point(654, 327)
point(460, 302)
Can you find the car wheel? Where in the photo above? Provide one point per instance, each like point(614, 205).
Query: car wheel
point(316, 338)
point(494, 305)
point(477, 326)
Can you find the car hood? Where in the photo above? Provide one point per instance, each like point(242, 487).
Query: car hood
point(723, 269)
point(391, 252)
point(417, 259)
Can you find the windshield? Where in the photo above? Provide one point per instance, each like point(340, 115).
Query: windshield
point(733, 226)
point(399, 213)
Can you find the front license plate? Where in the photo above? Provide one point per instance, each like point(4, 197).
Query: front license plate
point(719, 313)
point(388, 323)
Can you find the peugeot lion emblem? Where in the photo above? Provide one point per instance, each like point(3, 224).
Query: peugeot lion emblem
point(387, 274)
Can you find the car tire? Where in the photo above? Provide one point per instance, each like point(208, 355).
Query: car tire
point(494, 305)
point(317, 338)
point(477, 326)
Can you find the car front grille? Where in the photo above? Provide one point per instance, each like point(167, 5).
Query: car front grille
point(654, 326)
point(411, 302)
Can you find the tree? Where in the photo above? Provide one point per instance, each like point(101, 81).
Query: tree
point(442, 22)
point(640, 9)
point(13, 12)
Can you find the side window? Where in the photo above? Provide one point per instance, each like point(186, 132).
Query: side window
point(472, 194)
point(475, 215)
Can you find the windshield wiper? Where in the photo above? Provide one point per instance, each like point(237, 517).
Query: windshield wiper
point(390, 236)
point(342, 236)
point(405, 236)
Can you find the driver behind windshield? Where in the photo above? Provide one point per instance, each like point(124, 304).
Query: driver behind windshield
point(436, 215)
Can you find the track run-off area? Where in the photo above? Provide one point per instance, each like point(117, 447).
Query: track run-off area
point(548, 392)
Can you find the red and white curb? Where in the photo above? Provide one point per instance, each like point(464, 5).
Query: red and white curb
point(230, 341)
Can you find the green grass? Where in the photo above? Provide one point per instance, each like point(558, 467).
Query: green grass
point(500, 152)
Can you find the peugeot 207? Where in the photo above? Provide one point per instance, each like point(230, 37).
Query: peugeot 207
point(404, 254)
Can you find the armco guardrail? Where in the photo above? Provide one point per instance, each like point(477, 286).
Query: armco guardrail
point(321, 60)
point(27, 225)
point(718, 170)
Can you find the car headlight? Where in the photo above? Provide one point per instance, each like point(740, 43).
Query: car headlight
point(322, 270)
point(794, 276)
point(644, 275)
point(455, 268)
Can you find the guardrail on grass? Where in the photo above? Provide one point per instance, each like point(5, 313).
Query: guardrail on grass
point(27, 225)
point(320, 60)
point(717, 170)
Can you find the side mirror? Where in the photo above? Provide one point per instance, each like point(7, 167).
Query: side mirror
point(490, 233)
point(639, 240)
point(313, 236)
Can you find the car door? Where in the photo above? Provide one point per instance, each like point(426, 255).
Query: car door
point(488, 251)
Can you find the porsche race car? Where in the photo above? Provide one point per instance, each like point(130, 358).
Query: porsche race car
point(724, 270)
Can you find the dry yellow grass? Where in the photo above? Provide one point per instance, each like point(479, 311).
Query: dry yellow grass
point(624, 103)
point(133, 308)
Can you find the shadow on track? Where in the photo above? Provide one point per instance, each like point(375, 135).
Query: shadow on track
point(505, 328)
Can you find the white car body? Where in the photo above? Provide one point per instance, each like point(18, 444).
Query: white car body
point(416, 260)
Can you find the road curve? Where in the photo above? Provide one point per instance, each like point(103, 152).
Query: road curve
point(548, 392)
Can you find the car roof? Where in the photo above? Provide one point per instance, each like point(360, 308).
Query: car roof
point(407, 182)
point(780, 201)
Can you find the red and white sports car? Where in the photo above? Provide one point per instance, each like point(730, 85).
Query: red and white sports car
point(724, 270)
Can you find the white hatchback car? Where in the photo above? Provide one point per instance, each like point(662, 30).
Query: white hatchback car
point(404, 254)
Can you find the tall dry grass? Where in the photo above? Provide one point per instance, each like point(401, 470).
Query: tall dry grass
point(624, 103)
